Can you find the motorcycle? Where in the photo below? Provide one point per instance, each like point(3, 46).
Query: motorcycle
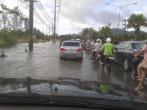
point(87, 48)
point(95, 56)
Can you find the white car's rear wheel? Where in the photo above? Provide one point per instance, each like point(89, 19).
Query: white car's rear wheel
point(61, 57)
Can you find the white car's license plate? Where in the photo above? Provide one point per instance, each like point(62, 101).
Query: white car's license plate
point(70, 55)
point(70, 51)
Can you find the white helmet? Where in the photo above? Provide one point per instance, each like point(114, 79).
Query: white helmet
point(98, 40)
point(108, 40)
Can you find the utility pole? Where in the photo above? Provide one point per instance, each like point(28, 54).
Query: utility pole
point(119, 14)
point(31, 8)
point(52, 28)
point(49, 29)
point(55, 18)
point(46, 30)
point(125, 27)
point(125, 24)
point(109, 25)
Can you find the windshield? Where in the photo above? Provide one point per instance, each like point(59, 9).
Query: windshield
point(56, 41)
point(138, 46)
point(76, 44)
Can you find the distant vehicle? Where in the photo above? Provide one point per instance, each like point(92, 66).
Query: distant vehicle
point(71, 49)
point(78, 40)
point(124, 53)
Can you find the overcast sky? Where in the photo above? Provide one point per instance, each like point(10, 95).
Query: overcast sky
point(78, 14)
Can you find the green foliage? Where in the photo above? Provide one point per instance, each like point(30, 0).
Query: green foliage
point(39, 34)
point(136, 21)
point(106, 31)
point(89, 33)
point(7, 39)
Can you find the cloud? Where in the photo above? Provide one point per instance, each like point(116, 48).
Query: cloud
point(77, 14)
point(79, 10)
point(85, 10)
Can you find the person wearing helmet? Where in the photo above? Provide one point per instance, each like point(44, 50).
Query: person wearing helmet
point(98, 45)
point(106, 50)
point(142, 67)
point(88, 45)
point(96, 48)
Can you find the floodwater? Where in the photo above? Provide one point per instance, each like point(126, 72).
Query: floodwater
point(44, 63)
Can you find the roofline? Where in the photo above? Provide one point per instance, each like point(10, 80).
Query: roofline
point(132, 41)
point(70, 41)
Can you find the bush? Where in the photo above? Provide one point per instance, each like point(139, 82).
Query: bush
point(7, 39)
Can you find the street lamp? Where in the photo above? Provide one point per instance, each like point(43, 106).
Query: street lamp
point(120, 8)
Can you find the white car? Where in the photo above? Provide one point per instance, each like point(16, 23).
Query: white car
point(71, 49)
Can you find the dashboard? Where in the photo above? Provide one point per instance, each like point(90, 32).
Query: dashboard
point(42, 108)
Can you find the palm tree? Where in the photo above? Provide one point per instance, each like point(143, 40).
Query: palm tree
point(136, 21)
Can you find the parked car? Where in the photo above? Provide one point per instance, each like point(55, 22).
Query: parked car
point(124, 53)
point(71, 49)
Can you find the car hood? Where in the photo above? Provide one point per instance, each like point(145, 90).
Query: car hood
point(70, 87)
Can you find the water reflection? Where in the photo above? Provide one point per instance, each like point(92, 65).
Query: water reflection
point(104, 77)
point(70, 68)
point(28, 85)
point(30, 56)
point(20, 85)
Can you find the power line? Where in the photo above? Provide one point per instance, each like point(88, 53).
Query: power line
point(41, 6)
point(21, 3)
point(40, 18)
point(42, 21)
point(42, 14)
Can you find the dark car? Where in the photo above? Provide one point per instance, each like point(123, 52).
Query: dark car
point(124, 52)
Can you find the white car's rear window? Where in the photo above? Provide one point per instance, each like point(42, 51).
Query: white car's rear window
point(76, 44)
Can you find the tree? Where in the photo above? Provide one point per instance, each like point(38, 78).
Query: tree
point(89, 33)
point(136, 21)
point(7, 38)
point(12, 18)
point(2, 46)
point(104, 32)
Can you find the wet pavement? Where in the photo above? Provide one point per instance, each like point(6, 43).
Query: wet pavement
point(44, 63)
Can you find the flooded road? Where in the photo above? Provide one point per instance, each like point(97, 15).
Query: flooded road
point(44, 63)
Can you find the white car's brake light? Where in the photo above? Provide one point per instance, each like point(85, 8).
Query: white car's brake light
point(62, 49)
point(79, 50)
